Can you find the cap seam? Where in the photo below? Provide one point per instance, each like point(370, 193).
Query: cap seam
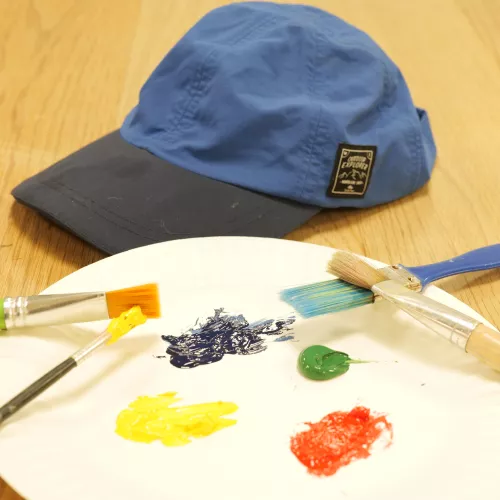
point(313, 139)
point(411, 134)
point(194, 91)
point(413, 146)
point(85, 235)
point(198, 85)
point(67, 191)
point(314, 124)
point(321, 132)
point(259, 26)
point(420, 154)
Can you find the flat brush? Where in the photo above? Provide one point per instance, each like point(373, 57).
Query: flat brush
point(115, 330)
point(44, 310)
point(332, 296)
point(460, 329)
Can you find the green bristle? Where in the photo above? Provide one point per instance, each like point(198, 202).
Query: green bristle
point(326, 297)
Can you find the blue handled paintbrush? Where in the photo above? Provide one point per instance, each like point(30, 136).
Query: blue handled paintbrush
point(336, 295)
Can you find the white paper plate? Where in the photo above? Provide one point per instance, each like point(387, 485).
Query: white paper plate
point(443, 405)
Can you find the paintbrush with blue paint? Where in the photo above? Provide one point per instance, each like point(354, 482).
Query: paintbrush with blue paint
point(465, 332)
point(332, 296)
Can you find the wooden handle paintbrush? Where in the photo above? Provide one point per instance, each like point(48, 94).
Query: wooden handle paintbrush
point(460, 329)
point(326, 297)
point(115, 330)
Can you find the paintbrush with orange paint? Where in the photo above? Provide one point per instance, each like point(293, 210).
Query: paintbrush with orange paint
point(58, 309)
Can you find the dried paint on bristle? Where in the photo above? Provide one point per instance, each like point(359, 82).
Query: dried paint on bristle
point(325, 297)
point(144, 296)
point(125, 322)
point(354, 270)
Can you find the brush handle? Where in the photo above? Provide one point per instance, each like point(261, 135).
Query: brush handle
point(484, 344)
point(36, 388)
point(467, 333)
point(476, 260)
point(45, 310)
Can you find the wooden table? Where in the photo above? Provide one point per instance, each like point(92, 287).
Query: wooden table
point(70, 71)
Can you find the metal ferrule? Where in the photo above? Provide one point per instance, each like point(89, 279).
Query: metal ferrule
point(86, 351)
point(401, 275)
point(42, 310)
point(447, 322)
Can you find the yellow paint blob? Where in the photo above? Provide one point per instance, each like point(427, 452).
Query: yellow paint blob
point(125, 322)
point(148, 419)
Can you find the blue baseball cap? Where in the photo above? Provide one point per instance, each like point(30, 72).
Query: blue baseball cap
point(261, 116)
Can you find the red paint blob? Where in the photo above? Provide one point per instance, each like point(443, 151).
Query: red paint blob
point(338, 439)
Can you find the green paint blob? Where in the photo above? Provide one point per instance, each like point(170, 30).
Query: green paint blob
point(319, 362)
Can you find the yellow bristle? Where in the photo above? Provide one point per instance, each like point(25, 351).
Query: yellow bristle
point(354, 270)
point(144, 296)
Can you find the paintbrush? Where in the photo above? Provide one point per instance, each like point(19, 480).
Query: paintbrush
point(115, 330)
point(44, 310)
point(460, 329)
point(337, 295)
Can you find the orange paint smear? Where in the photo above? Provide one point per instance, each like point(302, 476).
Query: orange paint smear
point(338, 439)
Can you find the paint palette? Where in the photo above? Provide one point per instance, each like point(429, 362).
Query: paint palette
point(208, 402)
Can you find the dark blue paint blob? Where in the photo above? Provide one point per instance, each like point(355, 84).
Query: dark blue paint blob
point(220, 335)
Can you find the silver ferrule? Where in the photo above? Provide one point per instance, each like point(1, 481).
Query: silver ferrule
point(42, 310)
point(402, 276)
point(86, 351)
point(447, 322)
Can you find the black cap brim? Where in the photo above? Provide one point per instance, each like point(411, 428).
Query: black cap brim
point(116, 197)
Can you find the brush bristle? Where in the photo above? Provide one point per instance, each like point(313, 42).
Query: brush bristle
point(325, 297)
point(354, 270)
point(144, 296)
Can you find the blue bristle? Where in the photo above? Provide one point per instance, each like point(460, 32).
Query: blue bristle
point(326, 297)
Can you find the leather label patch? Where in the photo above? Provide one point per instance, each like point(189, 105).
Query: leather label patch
point(352, 171)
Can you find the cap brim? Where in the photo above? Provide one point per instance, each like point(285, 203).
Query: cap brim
point(116, 197)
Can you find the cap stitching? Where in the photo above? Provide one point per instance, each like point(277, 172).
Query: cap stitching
point(102, 245)
point(79, 232)
point(314, 125)
point(420, 153)
point(410, 134)
point(314, 138)
point(255, 29)
point(69, 191)
point(417, 158)
point(199, 84)
point(413, 140)
point(320, 138)
point(194, 91)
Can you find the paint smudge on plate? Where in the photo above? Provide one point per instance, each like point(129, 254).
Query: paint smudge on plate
point(340, 438)
point(318, 362)
point(285, 338)
point(152, 418)
point(222, 334)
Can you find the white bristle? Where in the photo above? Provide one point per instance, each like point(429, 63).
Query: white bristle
point(354, 270)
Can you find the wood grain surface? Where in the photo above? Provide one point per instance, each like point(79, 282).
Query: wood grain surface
point(70, 71)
